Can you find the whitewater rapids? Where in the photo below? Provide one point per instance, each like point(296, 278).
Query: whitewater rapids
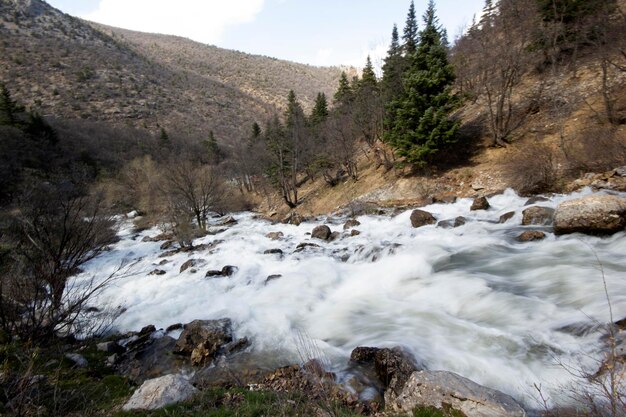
point(472, 299)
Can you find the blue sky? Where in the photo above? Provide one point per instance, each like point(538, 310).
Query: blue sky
point(317, 32)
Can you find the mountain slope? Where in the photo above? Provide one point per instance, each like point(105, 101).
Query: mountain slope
point(69, 68)
point(267, 79)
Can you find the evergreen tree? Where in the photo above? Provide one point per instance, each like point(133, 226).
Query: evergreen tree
point(213, 149)
point(164, 138)
point(488, 15)
point(410, 35)
point(9, 109)
point(320, 110)
point(393, 68)
point(39, 129)
point(422, 125)
point(391, 83)
point(368, 78)
point(343, 95)
point(256, 131)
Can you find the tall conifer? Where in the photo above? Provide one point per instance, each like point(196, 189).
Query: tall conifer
point(422, 125)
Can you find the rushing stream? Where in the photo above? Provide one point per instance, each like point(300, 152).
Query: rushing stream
point(471, 299)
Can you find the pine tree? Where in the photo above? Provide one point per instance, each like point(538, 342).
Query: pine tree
point(320, 110)
point(368, 78)
point(422, 126)
point(213, 149)
point(9, 109)
point(410, 35)
point(391, 83)
point(164, 138)
point(343, 95)
point(392, 69)
point(256, 131)
point(488, 14)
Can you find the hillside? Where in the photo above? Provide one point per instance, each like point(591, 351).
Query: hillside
point(264, 78)
point(69, 68)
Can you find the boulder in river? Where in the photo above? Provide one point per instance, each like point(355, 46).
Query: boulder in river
point(158, 392)
point(531, 236)
point(480, 203)
point(421, 218)
point(392, 366)
point(448, 391)
point(450, 223)
point(351, 223)
point(274, 235)
point(506, 217)
point(226, 271)
point(594, 214)
point(189, 264)
point(202, 339)
point(537, 215)
point(321, 232)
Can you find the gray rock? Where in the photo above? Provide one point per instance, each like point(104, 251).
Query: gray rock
point(351, 223)
point(480, 203)
point(157, 272)
point(537, 215)
point(110, 347)
point(229, 270)
point(354, 232)
point(594, 214)
point(189, 264)
point(421, 218)
point(450, 223)
point(321, 232)
point(226, 271)
point(441, 389)
point(167, 245)
point(202, 339)
point(531, 236)
point(273, 252)
point(304, 245)
point(392, 367)
point(151, 360)
point(334, 236)
point(230, 220)
point(506, 217)
point(274, 235)
point(536, 199)
point(79, 360)
point(621, 171)
point(272, 278)
point(159, 392)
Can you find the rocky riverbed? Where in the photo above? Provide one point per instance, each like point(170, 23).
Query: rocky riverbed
point(484, 289)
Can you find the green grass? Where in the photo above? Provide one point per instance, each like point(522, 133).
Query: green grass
point(243, 403)
point(447, 411)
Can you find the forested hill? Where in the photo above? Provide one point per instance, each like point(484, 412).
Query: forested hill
point(65, 67)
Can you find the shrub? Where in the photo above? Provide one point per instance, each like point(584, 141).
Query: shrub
point(532, 169)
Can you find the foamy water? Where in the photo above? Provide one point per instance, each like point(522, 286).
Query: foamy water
point(471, 299)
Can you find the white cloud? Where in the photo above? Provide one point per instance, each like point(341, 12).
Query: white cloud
point(376, 53)
point(200, 20)
point(323, 57)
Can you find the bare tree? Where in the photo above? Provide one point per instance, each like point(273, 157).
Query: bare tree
point(54, 232)
point(498, 56)
point(193, 191)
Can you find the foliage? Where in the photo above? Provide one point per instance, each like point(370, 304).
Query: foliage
point(40, 381)
point(422, 126)
point(320, 110)
point(343, 96)
point(411, 32)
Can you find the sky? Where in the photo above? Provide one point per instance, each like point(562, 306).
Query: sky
point(316, 32)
